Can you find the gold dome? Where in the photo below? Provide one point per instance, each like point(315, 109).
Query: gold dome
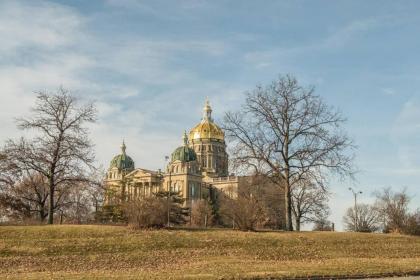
point(207, 129)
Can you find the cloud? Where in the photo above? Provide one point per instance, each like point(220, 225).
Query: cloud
point(43, 25)
point(142, 93)
point(405, 133)
point(389, 92)
point(336, 38)
point(34, 54)
point(164, 10)
point(407, 124)
point(347, 33)
point(154, 62)
point(36, 49)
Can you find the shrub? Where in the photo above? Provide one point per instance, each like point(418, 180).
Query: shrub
point(322, 224)
point(178, 212)
point(146, 212)
point(110, 214)
point(201, 213)
point(412, 225)
point(245, 211)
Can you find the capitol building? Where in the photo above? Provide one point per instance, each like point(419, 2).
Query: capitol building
point(195, 170)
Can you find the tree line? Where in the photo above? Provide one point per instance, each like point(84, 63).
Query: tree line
point(390, 213)
point(285, 139)
point(50, 172)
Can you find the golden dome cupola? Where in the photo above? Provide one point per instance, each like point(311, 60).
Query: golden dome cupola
point(207, 129)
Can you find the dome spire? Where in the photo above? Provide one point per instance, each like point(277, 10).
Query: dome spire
point(122, 161)
point(184, 153)
point(185, 138)
point(123, 147)
point(207, 111)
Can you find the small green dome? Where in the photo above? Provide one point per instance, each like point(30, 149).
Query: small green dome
point(184, 153)
point(122, 161)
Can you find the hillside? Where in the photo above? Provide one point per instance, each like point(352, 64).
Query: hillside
point(39, 252)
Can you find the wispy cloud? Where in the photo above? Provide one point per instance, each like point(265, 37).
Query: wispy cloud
point(389, 91)
point(35, 52)
point(405, 133)
point(54, 48)
point(337, 38)
point(185, 9)
point(37, 25)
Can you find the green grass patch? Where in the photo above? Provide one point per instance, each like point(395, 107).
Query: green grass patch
point(86, 252)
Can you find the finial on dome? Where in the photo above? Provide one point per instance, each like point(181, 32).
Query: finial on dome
point(123, 147)
point(207, 111)
point(185, 138)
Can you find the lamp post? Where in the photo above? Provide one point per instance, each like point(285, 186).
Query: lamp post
point(355, 193)
point(168, 206)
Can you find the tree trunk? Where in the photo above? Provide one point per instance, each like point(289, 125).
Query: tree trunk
point(288, 192)
point(51, 205)
point(288, 207)
point(42, 214)
point(297, 223)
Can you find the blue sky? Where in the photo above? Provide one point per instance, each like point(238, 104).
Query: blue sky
point(150, 65)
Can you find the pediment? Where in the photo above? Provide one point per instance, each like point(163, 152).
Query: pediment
point(142, 173)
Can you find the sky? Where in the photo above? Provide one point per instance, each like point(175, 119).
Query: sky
point(149, 66)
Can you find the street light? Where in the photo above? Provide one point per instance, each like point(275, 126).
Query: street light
point(169, 192)
point(355, 193)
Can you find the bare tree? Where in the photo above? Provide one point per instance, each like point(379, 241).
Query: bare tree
point(96, 188)
point(413, 223)
point(271, 197)
point(368, 218)
point(61, 147)
point(247, 209)
point(76, 206)
point(146, 212)
point(287, 132)
point(201, 213)
point(82, 200)
point(393, 207)
point(9, 171)
point(309, 202)
point(33, 191)
point(22, 192)
point(323, 224)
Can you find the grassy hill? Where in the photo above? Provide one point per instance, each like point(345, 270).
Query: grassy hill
point(40, 252)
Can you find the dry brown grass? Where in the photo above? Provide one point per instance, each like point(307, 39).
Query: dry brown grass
point(86, 252)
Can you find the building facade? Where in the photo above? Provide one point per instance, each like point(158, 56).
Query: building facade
point(195, 168)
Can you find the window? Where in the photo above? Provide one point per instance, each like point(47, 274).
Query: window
point(192, 187)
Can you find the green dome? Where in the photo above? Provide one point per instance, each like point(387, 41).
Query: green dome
point(122, 161)
point(184, 153)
